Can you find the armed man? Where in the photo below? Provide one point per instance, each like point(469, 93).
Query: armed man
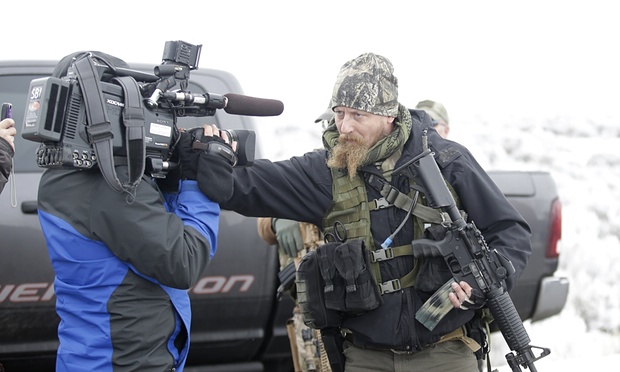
point(371, 211)
point(295, 239)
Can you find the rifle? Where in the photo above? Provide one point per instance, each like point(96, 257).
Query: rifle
point(469, 259)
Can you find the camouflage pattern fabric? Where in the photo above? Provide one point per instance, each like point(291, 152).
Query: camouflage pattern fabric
point(310, 351)
point(367, 83)
point(308, 345)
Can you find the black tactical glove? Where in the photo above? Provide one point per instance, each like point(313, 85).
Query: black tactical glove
point(188, 156)
point(215, 175)
point(209, 160)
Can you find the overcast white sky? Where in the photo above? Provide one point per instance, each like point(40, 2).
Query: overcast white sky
point(482, 59)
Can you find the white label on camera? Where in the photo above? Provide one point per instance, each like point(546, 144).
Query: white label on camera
point(160, 130)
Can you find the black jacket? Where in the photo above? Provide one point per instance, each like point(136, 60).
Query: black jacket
point(301, 189)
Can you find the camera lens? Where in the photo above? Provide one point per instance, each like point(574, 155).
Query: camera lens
point(232, 135)
point(246, 141)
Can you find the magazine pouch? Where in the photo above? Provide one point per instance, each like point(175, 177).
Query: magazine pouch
point(311, 293)
point(361, 293)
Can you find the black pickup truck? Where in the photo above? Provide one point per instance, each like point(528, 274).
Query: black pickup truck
point(238, 324)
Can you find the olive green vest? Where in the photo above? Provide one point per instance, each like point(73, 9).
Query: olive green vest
point(351, 207)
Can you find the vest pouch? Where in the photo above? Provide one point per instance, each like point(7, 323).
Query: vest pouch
point(310, 294)
point(361, 290)
point(334, 285)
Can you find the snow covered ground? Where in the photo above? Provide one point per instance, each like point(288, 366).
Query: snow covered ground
point(584, 158)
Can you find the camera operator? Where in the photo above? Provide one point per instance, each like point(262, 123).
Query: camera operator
point(124, 263)
point(7, 149)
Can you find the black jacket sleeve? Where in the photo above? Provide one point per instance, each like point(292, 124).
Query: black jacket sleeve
point(298, 189)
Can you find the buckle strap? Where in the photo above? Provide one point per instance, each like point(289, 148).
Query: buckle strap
point(390, 286)
point(389, 253)
point(379, 204)
point(381, 255)
point(398, 284)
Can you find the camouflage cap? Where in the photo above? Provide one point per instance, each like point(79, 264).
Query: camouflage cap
point(367, 83)
point(435, 109)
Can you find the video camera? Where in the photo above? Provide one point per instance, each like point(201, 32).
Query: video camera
point(102, 110)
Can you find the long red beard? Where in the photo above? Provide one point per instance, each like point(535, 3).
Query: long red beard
point(348, 153)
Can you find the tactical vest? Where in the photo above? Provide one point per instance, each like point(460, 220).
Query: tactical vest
point(351, 207)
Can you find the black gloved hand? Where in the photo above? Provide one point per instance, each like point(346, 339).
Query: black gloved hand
point(215, 178)
point(209, 160)
point(188, 156)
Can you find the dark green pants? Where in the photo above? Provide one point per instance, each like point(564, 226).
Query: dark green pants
point(444, 357)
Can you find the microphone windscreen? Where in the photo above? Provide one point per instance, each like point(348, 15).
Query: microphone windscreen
point(239, 104)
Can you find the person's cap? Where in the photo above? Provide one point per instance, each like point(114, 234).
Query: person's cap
point(325, 116)
point(435, 109)
point(367, 83)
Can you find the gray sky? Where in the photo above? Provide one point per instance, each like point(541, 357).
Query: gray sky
point(485, 60)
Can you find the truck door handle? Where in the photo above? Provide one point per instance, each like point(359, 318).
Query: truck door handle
point(29, 207)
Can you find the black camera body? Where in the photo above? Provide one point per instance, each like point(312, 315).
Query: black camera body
point(59, 109)
point(56, 117)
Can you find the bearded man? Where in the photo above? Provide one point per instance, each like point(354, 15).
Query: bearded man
point(370, 136)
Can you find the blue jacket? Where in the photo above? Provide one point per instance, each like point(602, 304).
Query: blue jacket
point(123, 269)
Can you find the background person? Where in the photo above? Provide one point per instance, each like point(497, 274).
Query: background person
point(439, 114)
point(371, 134)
